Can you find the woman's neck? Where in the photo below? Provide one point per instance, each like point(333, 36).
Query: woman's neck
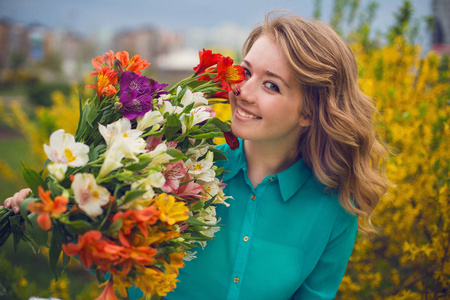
point(264, 158)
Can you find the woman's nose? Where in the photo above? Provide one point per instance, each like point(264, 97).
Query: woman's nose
point(245, 90)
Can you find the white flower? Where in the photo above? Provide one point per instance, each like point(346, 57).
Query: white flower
point(159, 156)
point(208, 216)
point(150, 119)
point(214, 189)
point(88, 195)
point(200, 170)
point(198, 151)
point(64, 150)
point(113, 158)
point(57, 170)
point(120, 136)
point(188, 255)
point(197, 98)
point(196, 116)
point(154, 180)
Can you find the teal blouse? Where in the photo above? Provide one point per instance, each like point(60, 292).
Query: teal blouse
point(285, 239)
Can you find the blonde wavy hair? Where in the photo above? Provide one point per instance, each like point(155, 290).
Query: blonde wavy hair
point(341, 145)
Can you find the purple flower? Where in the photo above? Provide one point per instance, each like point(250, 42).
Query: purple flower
point(136, 94)
point(134, 82)
point(156, 89)
point(135, 105)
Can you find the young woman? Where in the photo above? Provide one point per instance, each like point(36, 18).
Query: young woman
point(307, 174)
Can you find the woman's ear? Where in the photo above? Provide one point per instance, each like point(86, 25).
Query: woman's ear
point(305, 121)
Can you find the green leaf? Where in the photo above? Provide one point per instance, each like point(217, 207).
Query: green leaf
point(175, 154)
point(131, 195)
point(32, 178)
point(115, 226)
point(46, 163)
point(221, 125)
point(24, 208)
point(172, 126)
point(194, 221)
point(39, 235)
point(144, 160)
point(15, 222)
point(29, 240)
point(208, 135)
point(58, 238)
point(54, 186)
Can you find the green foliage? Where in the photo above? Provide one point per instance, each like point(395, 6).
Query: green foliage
point(40, 93)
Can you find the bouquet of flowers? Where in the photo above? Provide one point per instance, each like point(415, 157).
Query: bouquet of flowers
point(135, 190)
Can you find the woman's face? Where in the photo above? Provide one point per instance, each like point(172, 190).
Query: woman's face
point(269, 106)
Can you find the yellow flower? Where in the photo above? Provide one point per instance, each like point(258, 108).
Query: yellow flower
point(152, 281)
point(172, 211)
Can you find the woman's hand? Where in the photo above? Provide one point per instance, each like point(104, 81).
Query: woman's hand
point(14, 201)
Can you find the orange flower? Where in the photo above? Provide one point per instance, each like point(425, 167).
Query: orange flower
point(228, 73)
point(172, 211)
point(140, 218)
point(91, 248)
point(99, 62)
point(47, 208)
point(106, 82)
point(140, 256)
point(137, 64)
point(108, 292)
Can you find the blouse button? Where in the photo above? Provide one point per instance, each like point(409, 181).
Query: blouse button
point(270, 178)
point(253, 197)
point(236, 280)
point(245, 238)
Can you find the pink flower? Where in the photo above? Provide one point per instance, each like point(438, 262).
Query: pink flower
point(173, 174)
point(189, 189)
point(152, 142)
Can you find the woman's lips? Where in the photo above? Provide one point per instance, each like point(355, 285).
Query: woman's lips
point(244, 114)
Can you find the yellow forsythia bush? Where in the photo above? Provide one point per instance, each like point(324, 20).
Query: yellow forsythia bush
point(410, 258)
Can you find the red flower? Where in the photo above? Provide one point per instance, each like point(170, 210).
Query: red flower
point(231, 140)
point(47, 208)
point(207, 59)
point(228, 73)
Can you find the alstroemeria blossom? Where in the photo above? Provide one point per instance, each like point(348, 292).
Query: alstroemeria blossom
point(228, 73)
point(197, 116)
point(200, 170)
point(197, 98)
point(89, 196)
point(47, 208)
point(150, 119)
point(120, 136)
point(65, 152)
point(207, 59)
point(113, 158)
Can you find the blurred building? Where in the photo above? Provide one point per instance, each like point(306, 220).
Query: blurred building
point(441, 32)
point(57, 52)
point(147, 42)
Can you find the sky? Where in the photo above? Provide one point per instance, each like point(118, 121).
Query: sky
point(199, 21)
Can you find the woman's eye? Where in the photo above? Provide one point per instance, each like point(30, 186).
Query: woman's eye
point(247, 72)
point(271, 86)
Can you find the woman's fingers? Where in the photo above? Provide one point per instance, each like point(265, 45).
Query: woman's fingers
point(14, 201)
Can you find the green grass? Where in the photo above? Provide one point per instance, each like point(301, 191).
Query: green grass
point(12, 151)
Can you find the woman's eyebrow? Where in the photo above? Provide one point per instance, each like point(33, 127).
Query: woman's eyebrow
point(269, 73)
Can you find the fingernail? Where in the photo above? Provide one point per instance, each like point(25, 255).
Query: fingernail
point(16, 209)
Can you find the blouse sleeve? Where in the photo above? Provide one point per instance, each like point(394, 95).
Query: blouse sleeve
point(324, 280)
